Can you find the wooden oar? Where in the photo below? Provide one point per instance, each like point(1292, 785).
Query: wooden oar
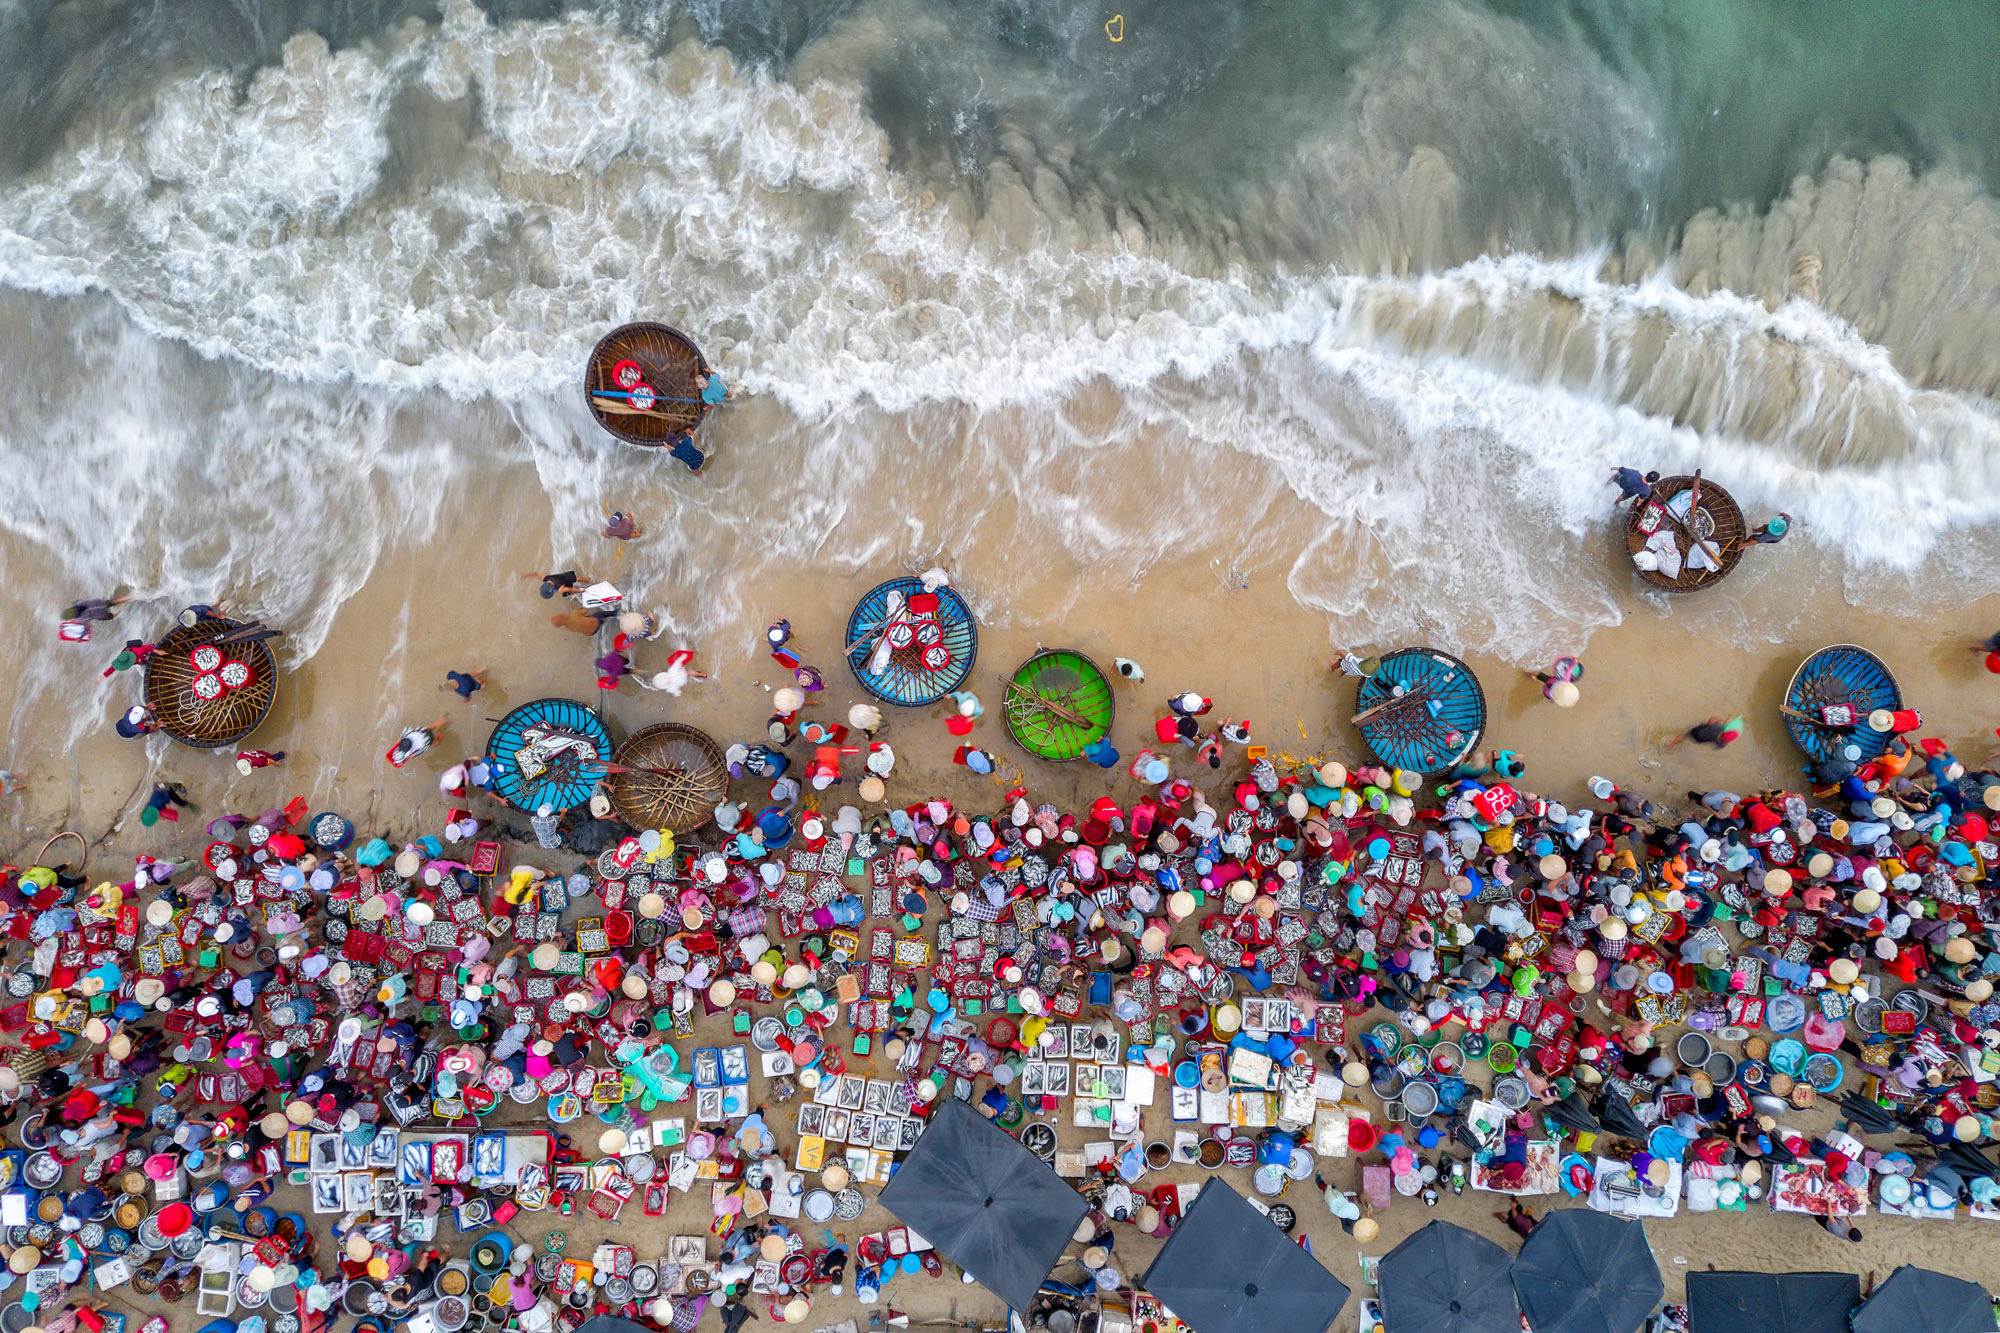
point(880, 627)
point(1694, 503)
point(612, 768)
point(1411, 696)
point(627, 410)
point(1026, 695)
point(869, 635)
point(1810, 720)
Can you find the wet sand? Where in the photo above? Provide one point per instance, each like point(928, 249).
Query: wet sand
point(1223, 623)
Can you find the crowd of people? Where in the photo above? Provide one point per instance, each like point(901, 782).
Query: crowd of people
point(1295, 945)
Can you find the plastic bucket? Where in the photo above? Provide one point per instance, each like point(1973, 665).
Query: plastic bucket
point(355, 1299)
point(490, 1253)
point(1187, 1074)
point(1362, 1135)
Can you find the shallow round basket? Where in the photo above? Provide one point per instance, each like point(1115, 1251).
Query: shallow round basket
point(681, 776)
point(1437, 720)
point(208, 724)
point(904, 680)
point(1716, 522)
point(564, 779)
point(1056, 704)
point(333, 833)
point(1840, 676)
point(668, 362)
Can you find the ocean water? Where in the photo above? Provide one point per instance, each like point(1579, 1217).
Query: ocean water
point(1371, 293)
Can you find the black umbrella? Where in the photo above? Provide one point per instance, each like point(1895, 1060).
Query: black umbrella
point(1573, 1112)
point(1916, 1300)
point(1779, 1153)
point(605, 1323)
point(1587, 1272)
point(1228, 1269)
point(1970, 1161)
point(1865, 1116)
point(1619, 1118)
point(1445, 1279)
point(987, 1203)
point(1771, 1302)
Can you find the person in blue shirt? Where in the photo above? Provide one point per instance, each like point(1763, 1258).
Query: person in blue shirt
point(682, 446)
point(1632, 485)
point(713, 390)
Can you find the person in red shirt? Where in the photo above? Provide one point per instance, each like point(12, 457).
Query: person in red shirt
point(249, 761)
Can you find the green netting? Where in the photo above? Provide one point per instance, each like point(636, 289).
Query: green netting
point(1057, 703)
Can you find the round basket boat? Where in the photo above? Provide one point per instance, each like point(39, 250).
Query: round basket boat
point(550, 752)
point(640, 383)
point(1830, 697)
point(909, 650)
point(1056, 704)
point(681, 776)
point(1694, 530)
point(194, 704)
point(1435, 721)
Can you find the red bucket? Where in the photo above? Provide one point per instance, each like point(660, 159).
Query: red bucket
point(1362, 1135)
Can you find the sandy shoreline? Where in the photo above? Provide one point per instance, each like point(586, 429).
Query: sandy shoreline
point(1235, 634)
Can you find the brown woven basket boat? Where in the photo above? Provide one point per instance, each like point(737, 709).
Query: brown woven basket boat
point(208, 723)
point(680, 777)
point(1715, 520)
point(640, 357)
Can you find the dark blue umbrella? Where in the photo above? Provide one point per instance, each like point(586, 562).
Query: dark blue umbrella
point(1445, 1279)
point(1228, 1269)
point(1587, 1272)
point(1771, 1302)
point(1916, 1300)
point(986, 1202)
